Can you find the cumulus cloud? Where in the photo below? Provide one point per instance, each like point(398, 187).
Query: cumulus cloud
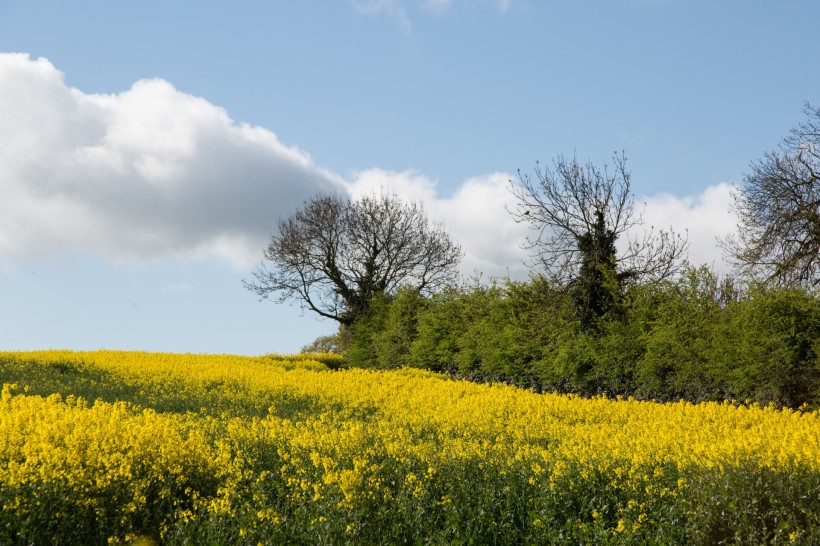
point(152, 173)
point(144, 174)
point(476, 216)
point(704, 217)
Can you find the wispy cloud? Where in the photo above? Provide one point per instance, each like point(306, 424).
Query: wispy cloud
point(399, 10)
point(392, 9)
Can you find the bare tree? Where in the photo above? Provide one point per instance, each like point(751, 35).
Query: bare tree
point(778, 238)
point(576, 214)
point(334, 255)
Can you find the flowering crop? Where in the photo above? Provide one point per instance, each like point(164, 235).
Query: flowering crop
point(111, 446)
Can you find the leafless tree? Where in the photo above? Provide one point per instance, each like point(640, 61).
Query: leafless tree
point(576, 214)
point(564, 204)
point(334, 255)
point(778, 239)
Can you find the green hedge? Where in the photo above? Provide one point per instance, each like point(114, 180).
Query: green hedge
point(694, 338)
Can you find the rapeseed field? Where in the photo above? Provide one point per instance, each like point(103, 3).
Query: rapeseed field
point(139, 448)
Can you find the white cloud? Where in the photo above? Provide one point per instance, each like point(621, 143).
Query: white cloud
point(144, 174)
point(476, 217)
point(408, 185)
point(437, 6)
point(397, 10)
point(152, 173)
point(705, 217)
point(392, 9)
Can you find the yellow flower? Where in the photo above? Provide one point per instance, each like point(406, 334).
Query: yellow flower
point(349, 438)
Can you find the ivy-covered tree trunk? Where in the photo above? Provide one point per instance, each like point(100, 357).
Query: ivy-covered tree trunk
point(597, 286)
point(576, 213)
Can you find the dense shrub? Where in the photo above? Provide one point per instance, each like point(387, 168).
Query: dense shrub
point(695, 338)
point(768, 348)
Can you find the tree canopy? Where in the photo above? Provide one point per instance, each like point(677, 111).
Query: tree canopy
point(334, 255)
point(778, 238)
point(576, 214)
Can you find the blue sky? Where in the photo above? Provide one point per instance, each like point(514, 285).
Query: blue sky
point(149, 147)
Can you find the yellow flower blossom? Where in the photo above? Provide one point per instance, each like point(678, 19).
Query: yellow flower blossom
point(222, 435)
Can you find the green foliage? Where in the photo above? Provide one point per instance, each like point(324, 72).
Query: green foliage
point(679, 321)
point(438, 327)
point(696, 338)
point(392, 344)
point(497, 332)
point(749, 504)
point(383, 337)
point(769, 347)
point(361, 350)
point(596, 289)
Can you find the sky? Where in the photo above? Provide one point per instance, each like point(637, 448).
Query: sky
point(148, 149)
